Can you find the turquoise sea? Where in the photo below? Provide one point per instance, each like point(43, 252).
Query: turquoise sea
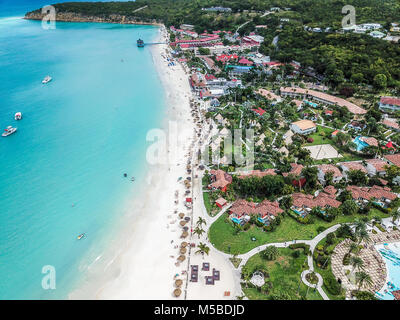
point(61, 174)
point(390, 253)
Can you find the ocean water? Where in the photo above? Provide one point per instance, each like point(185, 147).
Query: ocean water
point(391, 255)
point(61, 174)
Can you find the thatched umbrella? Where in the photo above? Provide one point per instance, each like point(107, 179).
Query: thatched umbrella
point(181, 215)
point(184, 244)
point(177, 292)
point(182, 251)
point(178, 283)
point(182, 222)
point(181, 258)
point(184, 234)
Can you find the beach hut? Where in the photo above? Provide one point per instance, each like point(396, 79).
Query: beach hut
point(220, 202)
point(177, 292)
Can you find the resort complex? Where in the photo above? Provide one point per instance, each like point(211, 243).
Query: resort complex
point(277, 171)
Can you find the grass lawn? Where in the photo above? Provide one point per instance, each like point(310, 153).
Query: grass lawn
point(319, 139)
point(223, 236)
point(283, 274)
point(207, 203)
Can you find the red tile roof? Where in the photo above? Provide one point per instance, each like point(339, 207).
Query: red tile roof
point(221, 179)
point(390, 100)
point(258, 173)
point(323, 200)
point(393, 158)
point(373, 192)
point(242, 207)
point(354, 165)
point(391, 124)
point(378, 164)
point(330, 167)
point(259, 111)
point(370, 141)
point(296, 170)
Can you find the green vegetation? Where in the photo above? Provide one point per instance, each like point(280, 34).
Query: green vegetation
point(225, 237)
point(282, 277)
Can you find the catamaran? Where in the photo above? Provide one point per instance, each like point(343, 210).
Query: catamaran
point(46, 79)
point(8, 131)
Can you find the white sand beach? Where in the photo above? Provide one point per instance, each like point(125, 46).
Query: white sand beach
point(145, 265)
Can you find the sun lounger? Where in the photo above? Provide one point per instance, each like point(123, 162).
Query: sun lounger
point(194, 277)
point(206, 266)
point(215, 274)
point(195, 268)
point(209, 280)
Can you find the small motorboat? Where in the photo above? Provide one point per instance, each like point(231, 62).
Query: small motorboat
point(10, 130)
point(80, 236)
point(18, 116)
point(46, 79)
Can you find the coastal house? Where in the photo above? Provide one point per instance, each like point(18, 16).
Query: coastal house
point(356, 125)
point(352, 165)
point(392, 159)
point(376, 167)
point(297, 92)
point(252, 40)
point(221, 202)
point(389, 104)
point(380, 195)
point(269, 95)
point(391, 124)
point(257, 173)
point(295, 171)
point(303, 127)
point(304, 203)
point(265, 211)
point(323, 169)
point(197, 81)
point(220, 180)
point(259, 111)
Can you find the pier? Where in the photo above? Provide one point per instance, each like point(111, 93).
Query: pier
point(140, 43)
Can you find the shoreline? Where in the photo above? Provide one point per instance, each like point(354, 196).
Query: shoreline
point(143, 268)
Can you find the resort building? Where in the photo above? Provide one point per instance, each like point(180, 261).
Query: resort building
point(269, 95)
point(323, 169)
point(258, 173)
point(303, 127)
point(389, 104)
point(304, 203)
point(376, 167)
point(197, 81)
point(352, 166)
point(391, 124)
point(381, 195)
point(265, 211)
point(356, 125)
point(393, 159)
point(252, 40)
point(220, 180)
point(322, 97)
point(295, 171)
point(220, 202)
point(287, 137)
point(364, 142)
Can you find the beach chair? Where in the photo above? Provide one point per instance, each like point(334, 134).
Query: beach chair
point(206, 266)
point(216, 274)
point(209, 280)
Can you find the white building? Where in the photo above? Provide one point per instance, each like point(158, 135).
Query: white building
point(303, 127)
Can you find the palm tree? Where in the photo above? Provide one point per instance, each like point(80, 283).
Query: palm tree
point(198, 231)
point(395, 215)
point(363, 278)
point(352, 247)
point(203, 249)
point(363, 236)
point(201, 221)
point(270, 253)
point(357, 263)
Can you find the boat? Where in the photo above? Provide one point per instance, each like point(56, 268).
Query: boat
point(8, 131)
point(140, 43)
point(46, 79)
point(18, 116)
point(80, 236)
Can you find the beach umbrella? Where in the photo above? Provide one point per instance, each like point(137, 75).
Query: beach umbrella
point(182, 251)
point(181, 258)
point(178, 283)
point(181, 215)
point(184, 234)
point(182, 223)
point(177, 292)
point(184, 244)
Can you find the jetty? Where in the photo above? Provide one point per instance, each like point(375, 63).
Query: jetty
point(140, 43)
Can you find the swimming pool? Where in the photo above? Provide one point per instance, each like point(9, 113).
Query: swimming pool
point(312, 104)
point(360, 144)
point(236, 220)
point(391, 255)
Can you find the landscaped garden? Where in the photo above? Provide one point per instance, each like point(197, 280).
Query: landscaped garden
point(228, 238)
point(322, 136)
point(282, 276)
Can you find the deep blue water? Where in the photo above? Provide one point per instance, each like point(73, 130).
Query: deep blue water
point(61, 174)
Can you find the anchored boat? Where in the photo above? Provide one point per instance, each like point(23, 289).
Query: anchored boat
point(47, 79)
point(18, 116)
point(10, 130)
